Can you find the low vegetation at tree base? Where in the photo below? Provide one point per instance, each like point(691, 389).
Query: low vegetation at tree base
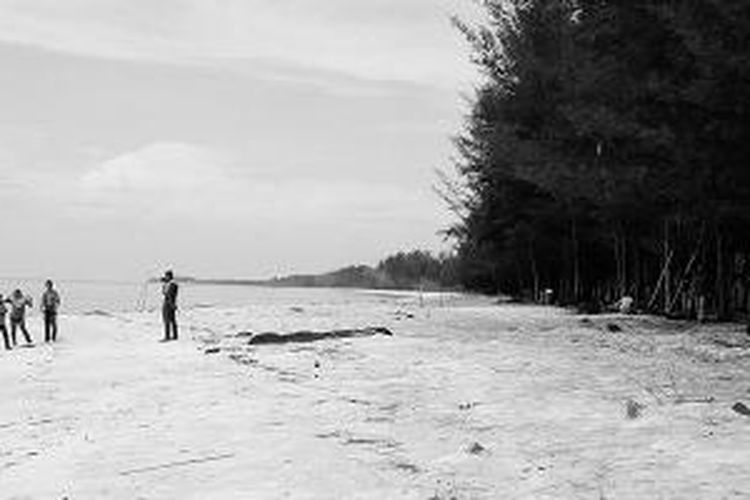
point(606, 154)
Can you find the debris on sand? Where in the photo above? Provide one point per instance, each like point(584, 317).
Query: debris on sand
point(212, 350)
point(407, 467)
point(311, 336)
point(736, 341)
point(467, 406)
point(178, 463)
point(634, 409)
point(476, 449)
point(613, 327)
point(401, 314)
point(97, 312)
point(741, 408)
point(694, 399)
point(243, 359)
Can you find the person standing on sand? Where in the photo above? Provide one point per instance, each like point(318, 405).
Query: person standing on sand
point(169, 306)
point(3, 312)
point(50, 304)
point(18, 303)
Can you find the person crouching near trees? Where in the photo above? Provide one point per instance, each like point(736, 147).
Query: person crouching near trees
point(18, 303)
point(169, 306)
point(3, 312)
point(50, 305)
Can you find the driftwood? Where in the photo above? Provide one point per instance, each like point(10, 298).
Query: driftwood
point(310, 336)
point(180, 463)
point(694, 399)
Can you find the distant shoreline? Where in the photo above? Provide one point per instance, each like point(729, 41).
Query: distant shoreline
point(309, 281)
point(287, 284)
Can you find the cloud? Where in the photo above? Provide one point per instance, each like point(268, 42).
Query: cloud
point(198, 206)
point(134, 123)
point(409, 40)
point(171, 167)
point(186, 181)
point(157, 181)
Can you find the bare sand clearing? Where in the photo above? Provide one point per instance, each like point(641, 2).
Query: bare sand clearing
point(465, 401)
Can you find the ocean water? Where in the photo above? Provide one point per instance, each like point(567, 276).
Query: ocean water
point(90, 296)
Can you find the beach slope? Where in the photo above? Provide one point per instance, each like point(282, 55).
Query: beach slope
point(465, 400)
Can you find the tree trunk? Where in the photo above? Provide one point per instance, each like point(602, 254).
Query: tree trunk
point(667, 274)
point(621, 265)
point(722, 303)
point(660, 282)
point(618, 258)
point(534, 272)
point(637, 278)
point(624, 281)
point(576, 263)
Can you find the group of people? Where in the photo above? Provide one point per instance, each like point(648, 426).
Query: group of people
point(19, 302)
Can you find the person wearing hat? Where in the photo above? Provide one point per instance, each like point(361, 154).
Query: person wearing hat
point(169, 306)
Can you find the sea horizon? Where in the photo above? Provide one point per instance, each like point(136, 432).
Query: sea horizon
point(82, 296)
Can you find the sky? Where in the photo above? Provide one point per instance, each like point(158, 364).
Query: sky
point(232, 138)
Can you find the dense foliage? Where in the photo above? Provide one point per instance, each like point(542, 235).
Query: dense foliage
point(417, 269)
point(606, 153)
point(420, 268)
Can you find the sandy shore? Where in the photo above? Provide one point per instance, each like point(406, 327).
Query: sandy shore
point(466, 400)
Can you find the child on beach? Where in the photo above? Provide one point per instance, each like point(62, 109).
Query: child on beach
point(18, 303)
point(3, 312)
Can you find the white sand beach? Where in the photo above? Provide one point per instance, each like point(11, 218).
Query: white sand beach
point(467, 400)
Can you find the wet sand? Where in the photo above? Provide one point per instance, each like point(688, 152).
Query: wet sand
point(465, 400)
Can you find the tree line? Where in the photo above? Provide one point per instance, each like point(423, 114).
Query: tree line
point(412, 270)
point(605, 154)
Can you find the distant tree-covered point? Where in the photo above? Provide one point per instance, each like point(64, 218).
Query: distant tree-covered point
point(606, 153)
point(404, 270)
point(414, 270)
